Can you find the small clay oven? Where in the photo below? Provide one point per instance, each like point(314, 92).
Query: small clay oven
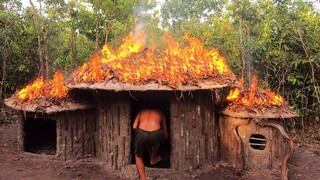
point(255, 137)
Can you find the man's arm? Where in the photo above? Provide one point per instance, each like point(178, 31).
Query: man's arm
point(136, 122)
point(164, 126)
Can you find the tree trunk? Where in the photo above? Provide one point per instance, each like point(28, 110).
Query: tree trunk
point(97, 33)
point(73, 47)
point(109, 25)
point(45, 40)
point(107, 34)
point(4, 75)
point(243, 57)
point(38, 30)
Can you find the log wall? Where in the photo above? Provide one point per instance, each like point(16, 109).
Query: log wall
point(76, 134)
point(194, 131)
point(114, 129)
point(268, 158)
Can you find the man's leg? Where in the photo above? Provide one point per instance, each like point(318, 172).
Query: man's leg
point(140, 167)
point(154, 151)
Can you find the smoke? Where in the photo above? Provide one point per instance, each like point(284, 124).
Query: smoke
point(139, 14)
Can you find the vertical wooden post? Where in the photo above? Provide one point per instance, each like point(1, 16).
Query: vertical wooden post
point(21, 132)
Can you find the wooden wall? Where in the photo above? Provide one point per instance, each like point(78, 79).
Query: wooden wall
point(268, 158)
point(194, 131)
point(114, 129)
point(105, 132)
point(76, 134)
point(193, 128)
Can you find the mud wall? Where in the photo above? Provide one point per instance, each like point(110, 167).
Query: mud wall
point(246, 145)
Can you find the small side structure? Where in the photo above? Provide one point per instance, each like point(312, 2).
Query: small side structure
point(64, 128)
point(256, 140)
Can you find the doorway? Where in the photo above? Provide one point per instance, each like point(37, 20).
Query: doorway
point(40, 136)
point(165, 147)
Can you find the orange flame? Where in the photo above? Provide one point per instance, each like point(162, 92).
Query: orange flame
point(39, 88)
point(58, 88)
point(134, 63)
point(31, 91)
point(252, 97)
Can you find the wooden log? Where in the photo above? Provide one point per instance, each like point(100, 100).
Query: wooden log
point(71, 138)
point(21, 132)
point(187, 144)
point(65, 148)
point(94, 146)
point(123, 150)
point(119, 120)
point(116, 151)
point(58, 131)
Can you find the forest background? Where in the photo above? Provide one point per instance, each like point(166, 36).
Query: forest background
point(279, 40)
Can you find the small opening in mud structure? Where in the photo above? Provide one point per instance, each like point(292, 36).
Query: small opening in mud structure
point(40, 136)
point(165, 146)
point(258, 141)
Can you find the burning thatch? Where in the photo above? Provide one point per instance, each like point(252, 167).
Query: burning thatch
point(255, 104)
point(45, 97)
point(135, 67)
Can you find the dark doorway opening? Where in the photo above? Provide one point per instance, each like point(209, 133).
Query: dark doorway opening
point(40, 136)
point(165, 146)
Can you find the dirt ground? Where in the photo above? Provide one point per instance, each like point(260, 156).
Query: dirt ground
point(304, 164)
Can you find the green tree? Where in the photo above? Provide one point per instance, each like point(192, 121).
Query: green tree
point(175, 13)
point(17, 49)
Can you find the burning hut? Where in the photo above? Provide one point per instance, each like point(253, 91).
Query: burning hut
point(181, 82)
point(92, 115)
point(95, 117)
point(252, 130)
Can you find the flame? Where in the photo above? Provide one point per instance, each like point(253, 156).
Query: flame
point(58, 88)
point(31, 91)
point(133, 62)
point(39, 88)
point(253, 97)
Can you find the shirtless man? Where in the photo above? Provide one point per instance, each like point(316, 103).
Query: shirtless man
point(151, 128)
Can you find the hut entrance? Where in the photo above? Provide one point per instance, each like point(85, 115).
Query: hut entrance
point(40, 136)
point(165, 147)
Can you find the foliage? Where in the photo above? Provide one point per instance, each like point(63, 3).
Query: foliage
point(277, 40)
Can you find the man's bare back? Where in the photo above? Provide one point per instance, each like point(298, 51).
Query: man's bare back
point(149, 119)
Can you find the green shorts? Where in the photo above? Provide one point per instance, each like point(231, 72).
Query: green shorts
point(145, 139)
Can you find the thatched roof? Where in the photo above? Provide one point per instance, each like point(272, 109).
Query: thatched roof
point(119, 86)
point(240, 111)
point(47, 106)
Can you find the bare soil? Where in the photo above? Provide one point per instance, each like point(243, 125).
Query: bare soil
point(304, 164)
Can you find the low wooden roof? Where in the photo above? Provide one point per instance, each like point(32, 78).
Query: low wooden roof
point(47, 106)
